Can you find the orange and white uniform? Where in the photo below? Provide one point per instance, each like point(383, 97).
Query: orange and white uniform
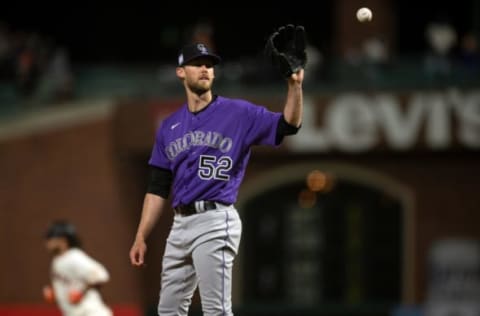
point(74, 271)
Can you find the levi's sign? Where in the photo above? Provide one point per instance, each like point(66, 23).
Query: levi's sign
point(356, 122)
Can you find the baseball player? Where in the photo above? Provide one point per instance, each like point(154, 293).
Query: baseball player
point(75, 276)
point(200, 155)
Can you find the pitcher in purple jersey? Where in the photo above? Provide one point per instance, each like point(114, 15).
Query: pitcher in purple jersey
point(199, 156)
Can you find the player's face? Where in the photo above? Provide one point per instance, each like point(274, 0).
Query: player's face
point(56, 245)
point(199, 75)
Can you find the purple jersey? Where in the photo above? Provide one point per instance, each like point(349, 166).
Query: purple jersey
point(208, 152)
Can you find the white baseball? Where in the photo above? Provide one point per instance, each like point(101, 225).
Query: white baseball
point(364, 14)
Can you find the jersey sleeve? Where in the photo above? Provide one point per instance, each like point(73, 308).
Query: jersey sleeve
point(262, 126)
point(158, 157)
point(89, 270)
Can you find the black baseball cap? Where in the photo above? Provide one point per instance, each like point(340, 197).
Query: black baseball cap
point(64, 229)
point(60, 228)
point(197, 50)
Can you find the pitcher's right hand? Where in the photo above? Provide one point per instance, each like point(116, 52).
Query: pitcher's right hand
point(137, 253)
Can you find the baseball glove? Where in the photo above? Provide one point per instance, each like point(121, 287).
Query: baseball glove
point(286, 49)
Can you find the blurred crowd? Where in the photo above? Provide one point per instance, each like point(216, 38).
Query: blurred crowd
point(447, 55)
point(35, 64)
point(447, 49)
point(39, 68)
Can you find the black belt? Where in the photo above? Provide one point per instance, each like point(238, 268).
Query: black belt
point(195, 207)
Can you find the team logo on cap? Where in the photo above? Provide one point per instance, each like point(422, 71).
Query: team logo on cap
point(202, 48)
point(180, 59)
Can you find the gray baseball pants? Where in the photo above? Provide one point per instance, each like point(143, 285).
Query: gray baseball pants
point(200, 251)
